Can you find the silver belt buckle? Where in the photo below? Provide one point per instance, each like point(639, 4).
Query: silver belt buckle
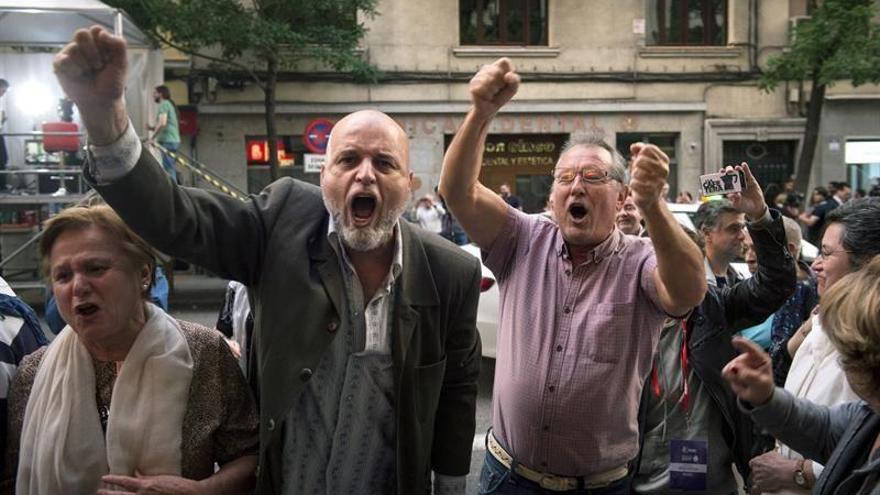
point(555, 483)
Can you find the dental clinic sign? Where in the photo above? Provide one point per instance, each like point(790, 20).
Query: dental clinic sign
point(523, 150)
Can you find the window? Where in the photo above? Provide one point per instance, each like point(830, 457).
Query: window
point(687, 22)
point(667, 142)
point(503, 22)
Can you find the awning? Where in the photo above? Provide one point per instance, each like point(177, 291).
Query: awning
point(53, 22)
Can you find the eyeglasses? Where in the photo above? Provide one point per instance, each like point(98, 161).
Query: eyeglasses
point(589, 175)
point(824, 255)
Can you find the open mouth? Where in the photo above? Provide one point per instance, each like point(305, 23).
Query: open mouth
point(86, 309)
point(577, 211)
point(363, 207)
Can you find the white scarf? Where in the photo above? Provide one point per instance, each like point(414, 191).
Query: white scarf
point(63, 449)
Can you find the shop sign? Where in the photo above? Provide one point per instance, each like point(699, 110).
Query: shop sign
point(523, 150)
point(858, 152)
point(313, 162)
point(258, 152)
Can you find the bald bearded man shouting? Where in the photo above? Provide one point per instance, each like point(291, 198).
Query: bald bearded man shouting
point(366, 350)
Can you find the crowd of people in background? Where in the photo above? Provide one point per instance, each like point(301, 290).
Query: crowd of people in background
point(632, 357)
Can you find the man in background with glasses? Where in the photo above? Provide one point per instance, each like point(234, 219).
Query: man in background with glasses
point(582, 304)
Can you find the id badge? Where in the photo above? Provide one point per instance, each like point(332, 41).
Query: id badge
point(688, 464)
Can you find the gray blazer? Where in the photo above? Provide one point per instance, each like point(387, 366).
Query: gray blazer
point(276, 243)
point(839, 437)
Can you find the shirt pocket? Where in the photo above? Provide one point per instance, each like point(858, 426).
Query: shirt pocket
point(609, 331)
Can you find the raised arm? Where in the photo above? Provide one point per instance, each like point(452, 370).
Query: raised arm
point(481, 212)
point(220, 233)
point(91, 71)
point(679, 277)
point(751, 301)
point(810, 429)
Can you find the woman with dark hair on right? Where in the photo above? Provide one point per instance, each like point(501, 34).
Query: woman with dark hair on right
point(850, 240)
point(846, 438)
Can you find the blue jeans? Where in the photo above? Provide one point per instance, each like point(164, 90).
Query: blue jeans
point(167, 161)
point(495, 478)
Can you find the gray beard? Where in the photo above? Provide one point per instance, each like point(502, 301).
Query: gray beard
point(367, 238)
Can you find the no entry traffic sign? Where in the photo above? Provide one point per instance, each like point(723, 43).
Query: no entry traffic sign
point(316, 135)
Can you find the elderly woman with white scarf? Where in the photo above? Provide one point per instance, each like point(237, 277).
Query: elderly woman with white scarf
point(126, 399)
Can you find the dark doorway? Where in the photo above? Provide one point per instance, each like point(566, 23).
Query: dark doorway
point(770, 161)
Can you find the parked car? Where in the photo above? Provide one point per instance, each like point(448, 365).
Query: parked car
point(487, 313)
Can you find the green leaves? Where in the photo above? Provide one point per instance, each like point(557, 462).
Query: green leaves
point(840, 41)
point(251, 32)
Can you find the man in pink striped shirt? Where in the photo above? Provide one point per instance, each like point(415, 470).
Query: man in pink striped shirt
point(581, 304)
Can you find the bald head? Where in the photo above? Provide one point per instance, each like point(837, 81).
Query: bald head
point(369, 124)
point(366, 179)
point(793, 236)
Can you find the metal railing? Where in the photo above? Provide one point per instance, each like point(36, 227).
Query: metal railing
point(203, 172)
point(181, 159)
point(81, 201)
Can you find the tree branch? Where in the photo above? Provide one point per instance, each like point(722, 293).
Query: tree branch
point(194, 53)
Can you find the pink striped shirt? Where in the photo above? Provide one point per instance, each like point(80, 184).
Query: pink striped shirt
point(575, 346)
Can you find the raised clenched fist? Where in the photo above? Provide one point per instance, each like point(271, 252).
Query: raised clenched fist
point(91, 70)
point(492, 87)
point(650, 167)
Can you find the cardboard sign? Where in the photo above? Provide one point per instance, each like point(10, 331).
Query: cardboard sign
point(718, 184)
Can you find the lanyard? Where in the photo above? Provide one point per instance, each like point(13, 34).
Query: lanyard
point(685, 388)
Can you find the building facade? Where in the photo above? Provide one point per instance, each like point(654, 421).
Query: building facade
point(679, 73)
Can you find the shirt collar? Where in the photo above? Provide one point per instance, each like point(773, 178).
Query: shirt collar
point(710, 274)
point(396, 261)
point(730, 276)
point(606, 248)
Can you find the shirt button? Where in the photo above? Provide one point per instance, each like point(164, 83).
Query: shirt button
point(567, 310)
point(551, 388)
point(559, 348)
point(568, 272)
point(332, 326)
point(546, 427)
point(270, 425)
point(305, 374)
